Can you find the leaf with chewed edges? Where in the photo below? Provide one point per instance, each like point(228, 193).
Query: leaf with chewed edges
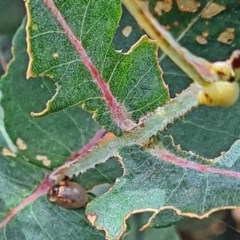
point(40, 219)
point(46, 142)
point(30, 147)
point(116, 87)
point(156, 179)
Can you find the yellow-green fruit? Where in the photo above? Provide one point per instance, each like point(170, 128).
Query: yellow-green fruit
point(221, 93)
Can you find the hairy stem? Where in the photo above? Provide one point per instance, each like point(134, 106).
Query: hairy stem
point(197, 68)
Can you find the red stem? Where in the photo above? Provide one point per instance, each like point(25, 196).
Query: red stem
point(118, 112)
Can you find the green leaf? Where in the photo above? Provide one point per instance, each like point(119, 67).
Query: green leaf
point(131, 82)
point(156, 180)
point(103, 173)
point(206, 124)
point(41, 219)
point(56, 136)
point(136, 222)
point(162, 219)
point(15, 9)
point(215, 128)
point(18, 179)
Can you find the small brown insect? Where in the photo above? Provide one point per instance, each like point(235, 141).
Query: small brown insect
point(68, 194)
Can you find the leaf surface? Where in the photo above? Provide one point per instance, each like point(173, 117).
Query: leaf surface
point(56, 137)
point(156, 180)
point(158, 177)
point(84, 65)
point(214, 129)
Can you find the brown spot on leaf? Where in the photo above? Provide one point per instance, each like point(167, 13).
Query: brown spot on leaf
point(7, 152)
point(44, 159)
point(127, 31)
point(55, 55)
point(21, 144)
point(175, 23)
point(201, 39)
point(35, 27)
point(227, 36)
point(205, 34)
point(211, 10)
point(92, 217)
point(163, 6)
point(188, 5)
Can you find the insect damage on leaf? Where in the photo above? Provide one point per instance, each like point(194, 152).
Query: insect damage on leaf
point(227, 36)
point(21, 144)
point(44, 159)
point(211, 10)
point(7, 152)
point(188, 5)
point(162, 6)
point(108, 84)
point(208, 76)
point(127, 31)
point(201, 39)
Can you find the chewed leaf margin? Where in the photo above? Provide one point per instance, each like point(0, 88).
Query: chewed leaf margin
point(166, 180)
point(118, 89)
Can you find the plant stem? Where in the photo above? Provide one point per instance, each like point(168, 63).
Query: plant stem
point(197, 68)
